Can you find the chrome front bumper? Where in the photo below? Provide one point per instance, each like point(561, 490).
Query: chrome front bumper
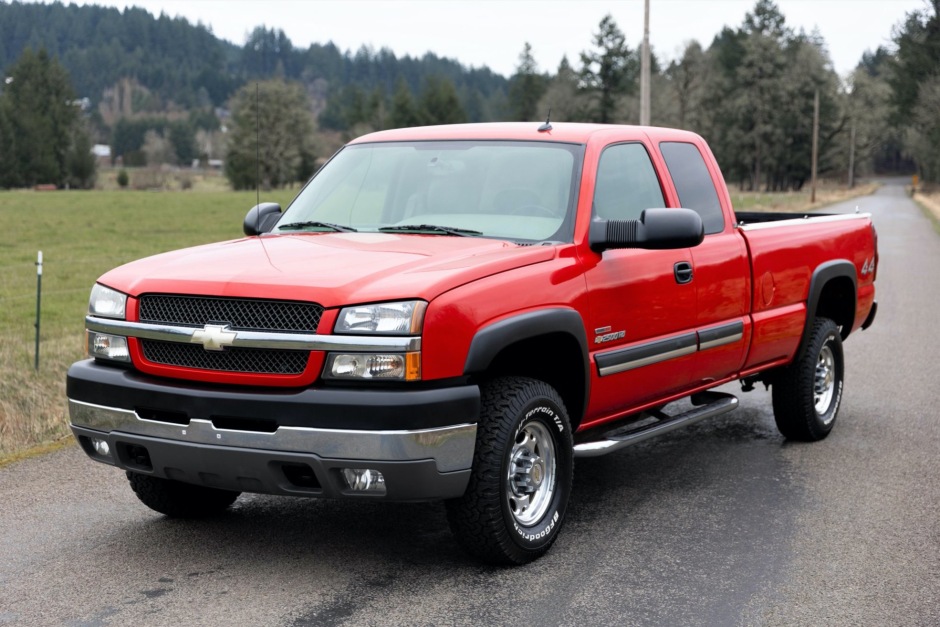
point(424, 464)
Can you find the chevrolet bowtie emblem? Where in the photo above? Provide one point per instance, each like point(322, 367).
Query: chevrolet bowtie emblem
point(214, 337)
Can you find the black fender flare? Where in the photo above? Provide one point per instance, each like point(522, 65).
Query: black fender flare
point(825, 272)
point(490, 340)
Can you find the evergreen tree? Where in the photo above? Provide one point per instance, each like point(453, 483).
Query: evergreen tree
point(526, 87)
point(609, 71)
point(7, 160)
point(375, 109)
point(563, 96)
point(756, 107)
point(44, 126)
point(915, 83)
point(404, 113)
point(917, 58)
point(687, 78)
point(280, 112)
point(867, 104)
point(182, 138)
point(80, 162)
point(440, 104)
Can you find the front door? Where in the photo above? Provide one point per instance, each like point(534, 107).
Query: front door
point(641, 324)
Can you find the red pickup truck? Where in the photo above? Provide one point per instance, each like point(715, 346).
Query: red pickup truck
point(456, 313)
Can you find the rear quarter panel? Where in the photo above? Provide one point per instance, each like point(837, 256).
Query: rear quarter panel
point(784, 256)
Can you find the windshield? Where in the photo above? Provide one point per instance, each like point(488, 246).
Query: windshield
point(521, 191)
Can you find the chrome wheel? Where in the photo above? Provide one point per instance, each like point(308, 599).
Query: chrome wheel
point(531, 477)
point(824, 383)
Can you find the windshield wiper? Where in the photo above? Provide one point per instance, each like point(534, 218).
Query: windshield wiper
point(430, 228)
point(338, 228)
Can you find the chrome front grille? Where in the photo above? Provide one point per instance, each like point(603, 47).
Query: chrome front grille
point(271, 316)
point(251, 360)
point(256, 315)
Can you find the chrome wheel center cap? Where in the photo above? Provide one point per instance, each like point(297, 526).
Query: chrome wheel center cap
point(538, 474)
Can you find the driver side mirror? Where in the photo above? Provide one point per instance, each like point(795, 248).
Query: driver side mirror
point(657, 229)
point(261, 218)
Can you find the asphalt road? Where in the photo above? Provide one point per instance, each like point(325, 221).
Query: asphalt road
point(724, 523)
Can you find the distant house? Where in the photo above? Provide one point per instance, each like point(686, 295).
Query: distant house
point(102, 153)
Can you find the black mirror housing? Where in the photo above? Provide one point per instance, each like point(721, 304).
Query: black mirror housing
point(657, 229)
point(261, 218)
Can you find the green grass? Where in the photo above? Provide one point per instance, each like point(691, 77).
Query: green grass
point(796, 202)
point(82, 235)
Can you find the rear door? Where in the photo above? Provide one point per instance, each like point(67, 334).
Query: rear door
point(720, 266)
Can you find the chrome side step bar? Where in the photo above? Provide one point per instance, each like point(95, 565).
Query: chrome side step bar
point(715, 404)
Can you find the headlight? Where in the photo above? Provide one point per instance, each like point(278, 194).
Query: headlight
point(106, 302)
point(403, 318)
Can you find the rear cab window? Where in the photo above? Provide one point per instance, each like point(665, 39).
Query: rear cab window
point(694, 183)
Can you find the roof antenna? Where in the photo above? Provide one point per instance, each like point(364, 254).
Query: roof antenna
point(548, 122)
point(257, 156)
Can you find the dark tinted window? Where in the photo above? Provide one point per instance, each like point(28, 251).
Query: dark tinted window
point(626, 183)
point(693, 183)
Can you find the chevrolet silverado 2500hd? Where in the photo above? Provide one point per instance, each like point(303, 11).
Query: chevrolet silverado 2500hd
point(456, 313)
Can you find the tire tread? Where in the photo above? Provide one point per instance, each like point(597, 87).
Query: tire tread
point(794, 409)
point(476, 518)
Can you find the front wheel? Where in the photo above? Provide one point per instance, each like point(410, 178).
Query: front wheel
point(177, 499)
point(807, 394)
point(523, 466)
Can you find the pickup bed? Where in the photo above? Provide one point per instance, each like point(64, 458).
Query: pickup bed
point(456, 313)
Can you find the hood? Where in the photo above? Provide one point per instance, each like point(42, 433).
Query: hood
point(333, 269)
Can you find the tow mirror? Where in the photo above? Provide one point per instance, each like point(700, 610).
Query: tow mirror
point(261, 218)
point(657, 229)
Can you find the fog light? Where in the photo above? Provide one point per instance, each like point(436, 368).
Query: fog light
point(401, 366)
point(364, 480)
point(108, 346)
point(101, 447)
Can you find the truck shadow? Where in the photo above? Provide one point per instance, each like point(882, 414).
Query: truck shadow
point(706, 510)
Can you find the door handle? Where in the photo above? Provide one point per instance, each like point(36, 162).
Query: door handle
point(683, 272)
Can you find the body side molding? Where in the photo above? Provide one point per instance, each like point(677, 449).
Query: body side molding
point(623, 359)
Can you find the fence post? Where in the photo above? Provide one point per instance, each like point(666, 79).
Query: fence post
point(38, 302)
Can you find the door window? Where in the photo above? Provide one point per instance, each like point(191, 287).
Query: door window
point(626, 183)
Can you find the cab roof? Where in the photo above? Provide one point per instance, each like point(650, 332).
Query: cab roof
point(575, 133)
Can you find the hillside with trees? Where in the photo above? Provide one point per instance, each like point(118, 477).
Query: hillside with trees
point(160, 90)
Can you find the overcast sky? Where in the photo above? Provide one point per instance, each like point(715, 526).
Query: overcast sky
point(492, 32)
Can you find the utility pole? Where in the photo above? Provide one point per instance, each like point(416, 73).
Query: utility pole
point(812, 196)
point(852, 156)
point(645, 68)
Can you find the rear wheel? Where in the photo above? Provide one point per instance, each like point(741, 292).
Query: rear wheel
point(515, 502)
point(807, 394)
point(179, 500)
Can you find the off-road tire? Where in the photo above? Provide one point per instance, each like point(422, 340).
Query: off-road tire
point(516, 413)
point(179, 500)
point(801, 412)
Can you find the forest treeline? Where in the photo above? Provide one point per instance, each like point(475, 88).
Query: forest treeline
point(162, 90)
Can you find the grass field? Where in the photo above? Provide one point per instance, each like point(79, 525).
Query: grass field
point(84, 234)
point(797, 202)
